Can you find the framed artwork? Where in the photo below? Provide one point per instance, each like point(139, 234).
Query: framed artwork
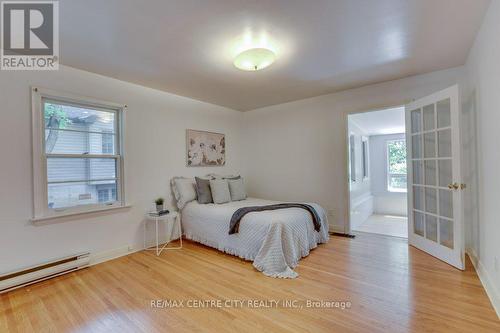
point(205, 148)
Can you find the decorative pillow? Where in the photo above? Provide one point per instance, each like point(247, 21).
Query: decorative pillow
point(220, 191)
point(237, 189)
point(203, 190)
point(184, 190)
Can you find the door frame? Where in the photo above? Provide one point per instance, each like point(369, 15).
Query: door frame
point(347, 188)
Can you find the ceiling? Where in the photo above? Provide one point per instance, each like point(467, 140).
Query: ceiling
point(187, 47)
point(388, 121)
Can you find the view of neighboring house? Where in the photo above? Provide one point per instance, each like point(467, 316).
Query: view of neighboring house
point(79, 180)
point(250, 166)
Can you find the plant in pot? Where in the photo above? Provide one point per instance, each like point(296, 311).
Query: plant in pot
point(159, 204)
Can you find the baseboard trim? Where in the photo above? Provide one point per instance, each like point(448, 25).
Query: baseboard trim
point(486, 280)
point(337, 228)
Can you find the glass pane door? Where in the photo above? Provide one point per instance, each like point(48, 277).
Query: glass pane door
point(434, 194)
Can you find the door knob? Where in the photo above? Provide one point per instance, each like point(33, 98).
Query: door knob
point(453, 186)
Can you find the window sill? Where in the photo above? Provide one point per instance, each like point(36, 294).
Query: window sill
point(73, 214)
point(397, 191)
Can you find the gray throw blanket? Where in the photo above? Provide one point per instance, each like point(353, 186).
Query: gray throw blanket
point(238, 215)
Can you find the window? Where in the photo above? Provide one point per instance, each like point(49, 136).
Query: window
point(107, 142)
point(106, 193)
point(103, 195)
point(396, 166)
point(78, 165)
point(352, 158)
point(364, 150)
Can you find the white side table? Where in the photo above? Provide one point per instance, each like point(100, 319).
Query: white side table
point(171, 217)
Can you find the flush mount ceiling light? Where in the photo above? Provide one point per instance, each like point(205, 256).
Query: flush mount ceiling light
point(254, 59)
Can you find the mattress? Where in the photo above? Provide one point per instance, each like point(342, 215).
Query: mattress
point(274, 240)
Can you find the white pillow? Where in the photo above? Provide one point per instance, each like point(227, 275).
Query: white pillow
point(237, 189)
point(184, 190)
point(220, 191)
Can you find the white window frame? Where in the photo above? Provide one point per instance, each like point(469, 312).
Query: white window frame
point(388, 173)
point(365, 157)
point(41, 210)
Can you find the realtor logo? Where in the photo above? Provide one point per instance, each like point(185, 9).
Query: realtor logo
point(30, 35)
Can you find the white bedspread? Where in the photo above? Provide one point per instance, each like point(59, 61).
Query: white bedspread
point(274, 240)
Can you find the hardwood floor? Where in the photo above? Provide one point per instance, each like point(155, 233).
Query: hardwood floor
point(391, 288)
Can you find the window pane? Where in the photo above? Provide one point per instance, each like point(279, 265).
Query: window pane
point(396, 161)
point(70, 142)
point(431, 227)
point(397, 156)
point(446, 203)
point(58, 115)
point(444, 143)
point(428, 117)
point(107, 144)
point(445, 173)
point(416, 121)
point(397, 182)
point(430, 144)
point(430, 200)
point(443, 113)
point(418, 198)
point(79, 130)
point(416, 146)
point(446, 233)
point(80, 169)
point(418, 223)
point(417, 172)
point(430, 172)
point(81, 193)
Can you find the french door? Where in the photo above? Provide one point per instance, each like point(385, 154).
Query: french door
point(434, 181)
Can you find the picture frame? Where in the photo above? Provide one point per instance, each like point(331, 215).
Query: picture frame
point(204, 148)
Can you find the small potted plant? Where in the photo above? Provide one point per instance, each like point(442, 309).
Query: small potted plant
point(159, 204)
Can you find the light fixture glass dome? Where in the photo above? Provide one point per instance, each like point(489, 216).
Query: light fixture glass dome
point(254, 59)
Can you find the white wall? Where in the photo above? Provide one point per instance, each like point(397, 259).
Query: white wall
point(361, 200)
point(297, 150)
point(360, 187)
point(482, 93)
point(385, 202)
point(154, 149)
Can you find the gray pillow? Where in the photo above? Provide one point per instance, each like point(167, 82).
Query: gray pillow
point(203, 190)
point(220, 191)
point(237, 189)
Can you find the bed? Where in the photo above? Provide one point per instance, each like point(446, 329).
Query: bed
point(274, 240)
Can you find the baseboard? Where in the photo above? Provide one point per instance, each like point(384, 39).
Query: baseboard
point(486, 280)
point(336, 228)
point(100, 257)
